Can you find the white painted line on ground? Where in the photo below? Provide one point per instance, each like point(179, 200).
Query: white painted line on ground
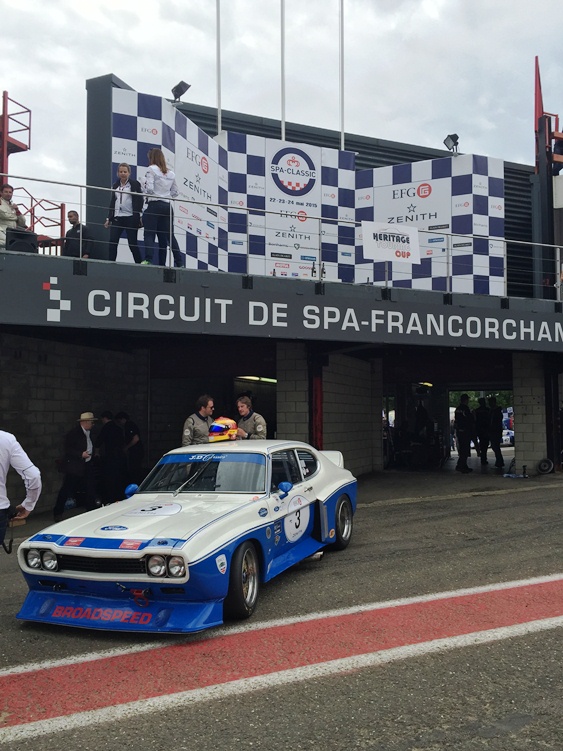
point(266, 682)
point(262, 625)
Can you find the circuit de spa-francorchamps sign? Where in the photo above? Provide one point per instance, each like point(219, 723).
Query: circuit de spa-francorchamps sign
point(62, 292)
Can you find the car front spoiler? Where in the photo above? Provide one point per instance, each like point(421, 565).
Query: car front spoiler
point(117, 614)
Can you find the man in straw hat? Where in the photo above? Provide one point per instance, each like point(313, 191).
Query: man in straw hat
point(77, 466)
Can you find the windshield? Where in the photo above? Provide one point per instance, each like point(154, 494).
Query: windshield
point(207, 473)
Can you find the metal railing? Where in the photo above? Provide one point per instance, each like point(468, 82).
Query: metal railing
point(448, 273)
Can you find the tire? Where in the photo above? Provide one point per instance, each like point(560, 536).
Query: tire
point(343, 523)
point(545, 467)
point(244, 583)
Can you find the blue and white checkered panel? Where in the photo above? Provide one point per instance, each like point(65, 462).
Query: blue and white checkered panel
point(141, 122)
point(477, 195)
point(329, 257)
point(237, 241)
point(338, 210)
point(246, 188)
point(365, 270)
point(475, 186)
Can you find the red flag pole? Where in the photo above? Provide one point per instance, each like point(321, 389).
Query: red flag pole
point(538, 98)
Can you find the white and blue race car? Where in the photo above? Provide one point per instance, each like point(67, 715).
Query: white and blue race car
point(192, 546)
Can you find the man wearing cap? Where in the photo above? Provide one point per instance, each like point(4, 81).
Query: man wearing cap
point(78, 467)
point(13, 455)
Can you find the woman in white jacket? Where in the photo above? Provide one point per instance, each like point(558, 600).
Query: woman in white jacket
point(160, 186)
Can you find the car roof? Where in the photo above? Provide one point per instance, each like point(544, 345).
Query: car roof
point(244, 447)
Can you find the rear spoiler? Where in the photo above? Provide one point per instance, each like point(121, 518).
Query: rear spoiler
point(335, 457)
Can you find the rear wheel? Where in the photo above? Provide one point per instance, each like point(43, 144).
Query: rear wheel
point(343, 523)
point(244, 583)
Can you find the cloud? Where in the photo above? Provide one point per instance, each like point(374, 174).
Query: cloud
point(415, 70)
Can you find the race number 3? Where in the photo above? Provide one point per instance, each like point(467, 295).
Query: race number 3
point(297, 519)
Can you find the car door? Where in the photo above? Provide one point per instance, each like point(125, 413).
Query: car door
point(293, 515)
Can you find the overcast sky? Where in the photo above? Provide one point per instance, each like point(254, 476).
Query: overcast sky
point(415, 70)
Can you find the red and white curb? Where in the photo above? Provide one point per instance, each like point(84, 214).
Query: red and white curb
point(54, 696)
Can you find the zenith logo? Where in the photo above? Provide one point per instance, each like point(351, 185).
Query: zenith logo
point(54, 314)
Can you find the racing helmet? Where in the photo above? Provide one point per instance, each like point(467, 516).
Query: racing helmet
point(222, 429)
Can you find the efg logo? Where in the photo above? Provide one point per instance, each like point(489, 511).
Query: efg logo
point(424, 190)
point(293, 171)
point(154, 131)
point(204, 165)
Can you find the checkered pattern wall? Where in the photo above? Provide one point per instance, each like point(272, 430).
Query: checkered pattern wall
point(141, 122)
point(309, 238)
point(458, 203)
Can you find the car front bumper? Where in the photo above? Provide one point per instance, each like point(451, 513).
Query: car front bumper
point(135, 612)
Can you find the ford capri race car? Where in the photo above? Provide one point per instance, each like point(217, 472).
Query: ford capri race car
point(192, 546)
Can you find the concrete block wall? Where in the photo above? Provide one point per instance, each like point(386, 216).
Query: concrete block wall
point(529, 410)
point(45, 385)
point(352, 404)
point(292, 391)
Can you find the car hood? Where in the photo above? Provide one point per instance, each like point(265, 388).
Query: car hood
point(146, 517)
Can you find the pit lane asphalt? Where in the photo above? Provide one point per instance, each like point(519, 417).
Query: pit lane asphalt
point(393, 487)
point(415, 533)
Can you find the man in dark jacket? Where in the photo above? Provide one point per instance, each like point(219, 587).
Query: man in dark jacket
point(80, 480)
point(496, 431)
point(110, 445)
point(483, 428)
point(465, 430)
point(133, 448)
point(78, 243)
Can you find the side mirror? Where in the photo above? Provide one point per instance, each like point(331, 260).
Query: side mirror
point(285, 487)
point(131, 490)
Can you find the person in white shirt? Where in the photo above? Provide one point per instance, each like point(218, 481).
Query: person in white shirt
point(10, 215)
point(125, 209)
point(160, 186)
point(13, 455)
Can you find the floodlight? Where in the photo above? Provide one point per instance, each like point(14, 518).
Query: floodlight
point(451, 142)
point(180, 89)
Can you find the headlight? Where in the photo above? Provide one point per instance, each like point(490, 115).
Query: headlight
point(157, 565)
point(49, 560)
point(176, 566)
point(33, 558)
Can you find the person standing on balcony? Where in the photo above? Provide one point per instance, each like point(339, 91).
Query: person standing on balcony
point(78, 242)
point(10, 215)
point(160, 186)
point(125, 209)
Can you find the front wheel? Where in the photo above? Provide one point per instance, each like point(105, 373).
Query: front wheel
point(244, 583)
point(343, 523)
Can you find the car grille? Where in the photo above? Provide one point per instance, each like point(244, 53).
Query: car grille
point(102, 565)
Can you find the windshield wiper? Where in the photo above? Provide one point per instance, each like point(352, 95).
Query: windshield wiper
point(190, 481)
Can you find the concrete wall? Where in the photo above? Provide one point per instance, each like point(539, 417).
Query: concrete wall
point(292, 391)
point(352, 404)
point(45, 385)
point(529, 410)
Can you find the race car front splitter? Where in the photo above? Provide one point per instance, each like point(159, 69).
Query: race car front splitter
point(105, 613)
